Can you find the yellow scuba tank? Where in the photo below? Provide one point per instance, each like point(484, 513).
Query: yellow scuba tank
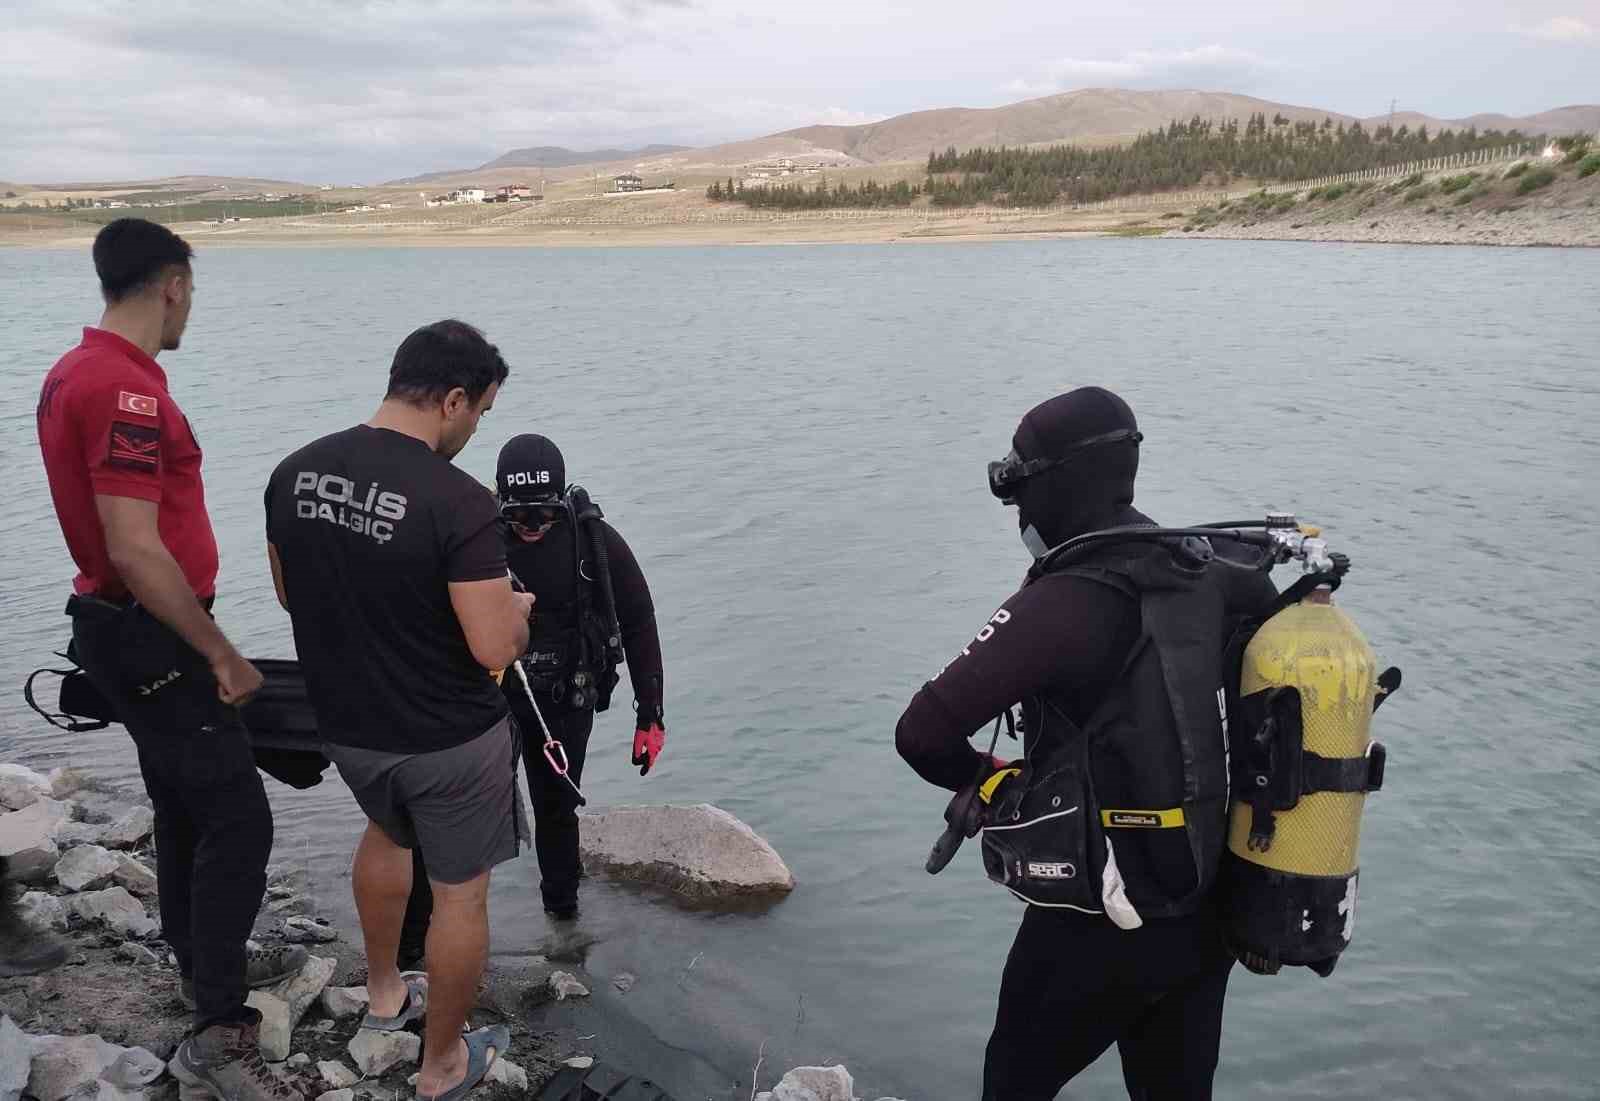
point(1303, 764)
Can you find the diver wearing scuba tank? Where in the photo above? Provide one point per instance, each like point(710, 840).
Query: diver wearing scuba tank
point(593, 611)
point(1113, 827)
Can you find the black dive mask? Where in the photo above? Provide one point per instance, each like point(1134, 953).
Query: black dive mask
point(533, 514)
point(1010, 472)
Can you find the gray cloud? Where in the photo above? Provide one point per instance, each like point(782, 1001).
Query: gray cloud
point(1213, 67)
point(369, 90)
point(1561, 28)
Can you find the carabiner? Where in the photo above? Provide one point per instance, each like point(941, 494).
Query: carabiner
point(551, 749)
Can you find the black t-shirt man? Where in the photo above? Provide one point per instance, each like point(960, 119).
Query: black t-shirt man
point(371, 527)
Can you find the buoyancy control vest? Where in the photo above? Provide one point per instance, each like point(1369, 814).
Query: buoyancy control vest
point(575, 642)
point(1127, 814)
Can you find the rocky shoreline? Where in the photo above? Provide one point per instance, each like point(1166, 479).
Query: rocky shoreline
point(1492, 207)
point(105, 1024)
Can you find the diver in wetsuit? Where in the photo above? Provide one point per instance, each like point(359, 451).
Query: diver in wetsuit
point(1134, 957)
point(592, 611)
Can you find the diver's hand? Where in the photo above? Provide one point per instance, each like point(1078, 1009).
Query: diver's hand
point(525, 600)
point(237, 679)
point(647, 746)
point(996, 774)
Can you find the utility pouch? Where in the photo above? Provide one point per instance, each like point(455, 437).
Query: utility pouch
point(1041, 840)
point(142, 655)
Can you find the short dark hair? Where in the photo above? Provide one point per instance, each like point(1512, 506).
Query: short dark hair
point(437, 358)
point(131, 253)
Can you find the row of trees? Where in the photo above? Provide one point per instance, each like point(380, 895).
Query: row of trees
point(870, 195)
point(1183, 155)
point(1197, 153)
point(1200, 152)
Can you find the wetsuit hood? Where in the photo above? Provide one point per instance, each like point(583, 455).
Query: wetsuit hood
point(530, 468)
point(1093, 489)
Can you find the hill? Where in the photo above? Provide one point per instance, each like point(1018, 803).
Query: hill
point(544, 156)
point(1088, 116)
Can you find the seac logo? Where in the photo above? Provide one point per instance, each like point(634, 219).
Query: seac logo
point(1047, 870)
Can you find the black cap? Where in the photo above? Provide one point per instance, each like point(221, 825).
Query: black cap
point(530, 469)
point(1055, 427)
point(1095, 432)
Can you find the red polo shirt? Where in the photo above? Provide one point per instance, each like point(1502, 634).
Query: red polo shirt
point(108, 426)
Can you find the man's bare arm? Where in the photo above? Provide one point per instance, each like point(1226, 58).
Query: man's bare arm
point(153, 576)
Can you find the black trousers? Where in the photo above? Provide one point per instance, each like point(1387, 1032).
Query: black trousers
point(1075, 984)
point(555, 819)
point(213, 823)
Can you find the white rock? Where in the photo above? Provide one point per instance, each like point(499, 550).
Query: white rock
point(133, 875)
point(303, 988)
point(624, 981)
point(815, 1084)
point(375, 1052)
point(130, 829)
point(27, 840)
point(42, 911)
point(134, 952)
point(336, 1074)
point(337, 1095)
point(304, 930)
point(20, 787)
point(276, 1029)
point(86, 868)
point(299, 1059)
point(564, 985)
point(580, 1062)
point(507, 1073)
point(134, 1069)
point(65, 1065)
point(72, 834)
point(109, 1092)
point(700, 852)
point(340, 1002)
point(64, 782)
point(116, 909)
point(16, 1054)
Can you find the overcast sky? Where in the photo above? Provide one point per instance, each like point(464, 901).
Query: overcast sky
point(328, 91)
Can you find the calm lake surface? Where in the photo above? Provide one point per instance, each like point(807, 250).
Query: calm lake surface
point(793, 440)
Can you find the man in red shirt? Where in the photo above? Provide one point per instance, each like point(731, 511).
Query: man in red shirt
point(124, 473)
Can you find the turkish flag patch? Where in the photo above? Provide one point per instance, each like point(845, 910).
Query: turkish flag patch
point(137, 404)
point(135, 447)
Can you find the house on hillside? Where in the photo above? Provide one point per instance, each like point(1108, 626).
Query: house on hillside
point(468, 195)
point(628, 181)
point(514, 193)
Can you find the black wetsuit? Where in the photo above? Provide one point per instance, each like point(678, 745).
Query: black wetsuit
point(546, 568)
point(1074, 984)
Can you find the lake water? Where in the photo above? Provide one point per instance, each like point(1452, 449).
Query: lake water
point(793, 441)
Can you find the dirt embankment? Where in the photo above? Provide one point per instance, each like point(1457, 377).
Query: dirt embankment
point(1529, 203)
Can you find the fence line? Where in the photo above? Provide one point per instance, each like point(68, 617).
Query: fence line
point(538, 218)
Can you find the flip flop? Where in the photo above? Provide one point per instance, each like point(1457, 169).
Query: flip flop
point(479, 1043)
point(416, 1005)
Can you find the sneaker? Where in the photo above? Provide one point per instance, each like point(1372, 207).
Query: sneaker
point(25, 950)
point(262, 967)
point(224, 1062)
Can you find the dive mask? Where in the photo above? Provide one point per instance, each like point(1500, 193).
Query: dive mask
point(1010, 472)
point(532, 514)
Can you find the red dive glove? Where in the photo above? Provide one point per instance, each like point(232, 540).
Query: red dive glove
point(647, 745)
